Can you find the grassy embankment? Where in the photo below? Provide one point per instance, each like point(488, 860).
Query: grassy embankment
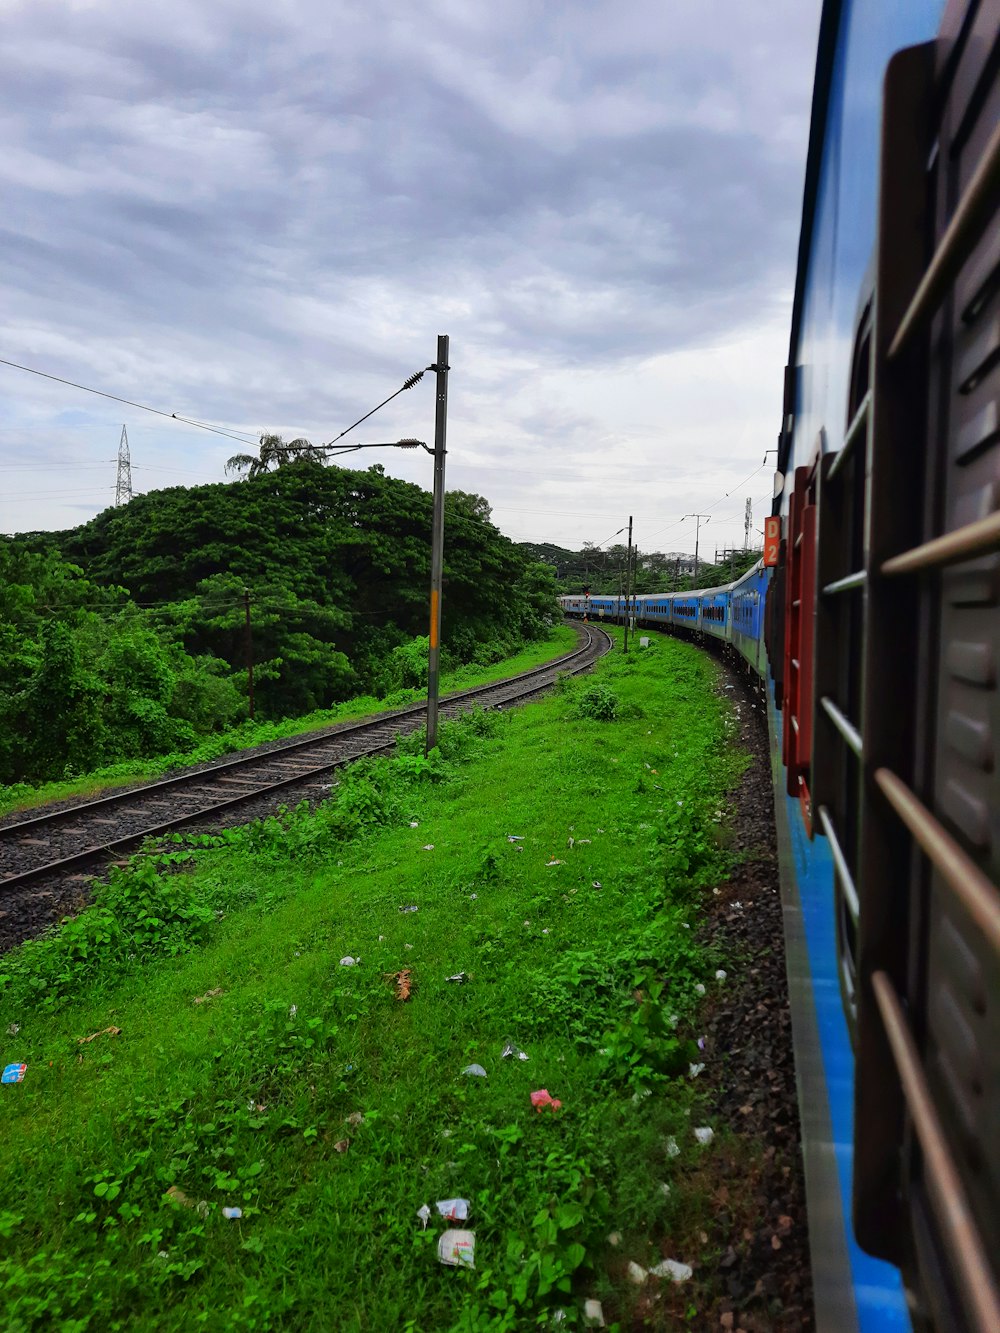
point(561, 640)
point(253, 1070)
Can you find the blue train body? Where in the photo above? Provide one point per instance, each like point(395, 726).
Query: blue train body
point(881, 694)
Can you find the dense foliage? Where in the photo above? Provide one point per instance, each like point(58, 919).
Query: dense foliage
point(128, 636)
point(602, 569)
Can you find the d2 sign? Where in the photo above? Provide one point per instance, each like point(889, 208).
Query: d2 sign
point(772, 540)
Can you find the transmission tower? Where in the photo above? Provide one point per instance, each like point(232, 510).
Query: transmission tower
point(123, 490)
point(747, 524)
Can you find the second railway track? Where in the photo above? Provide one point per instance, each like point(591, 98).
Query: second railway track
point(61, 843)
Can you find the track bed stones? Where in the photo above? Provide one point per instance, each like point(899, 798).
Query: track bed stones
point(762, 1279)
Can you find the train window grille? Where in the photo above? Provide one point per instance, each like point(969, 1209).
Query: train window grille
point(927, 1157)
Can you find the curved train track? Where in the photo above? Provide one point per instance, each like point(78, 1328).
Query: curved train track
point(58, 844)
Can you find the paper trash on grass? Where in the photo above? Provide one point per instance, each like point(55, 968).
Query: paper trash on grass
point(453, 1210)
point(209, 995)
point(457, 976)
point(477, 1071)
point(232, 1214)
point(704, 1134)
point(555, 862)
point(636, 1273)
point(510, 1049)
point(457, 1248)
point(424, 1214)
point(13, 1073)
point(678, 1272)
point(694, 1070)
point(410, 909)
point(515, 837)
point(427, 847)
point(355, 1118)
point(349, 961)
point(104, 1032)
point(541, 1099)
point(671, 1147)
point(403, 981)
point(593, 1314)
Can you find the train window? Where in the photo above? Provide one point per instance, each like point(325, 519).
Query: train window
point(800, 596)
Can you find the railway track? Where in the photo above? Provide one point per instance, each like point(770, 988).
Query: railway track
point(60, 844)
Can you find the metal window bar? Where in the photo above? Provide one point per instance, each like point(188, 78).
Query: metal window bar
point(840, 865)
point(975, 210)
point(855, 431)
point(846, 728)
point(976, 892)
point(849, 581)
point(978, 538)
point(952, 1209)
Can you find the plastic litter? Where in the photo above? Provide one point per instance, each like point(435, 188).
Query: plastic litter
point(593, 1314)
point(615, 1239)
point(209, 995)
point(636, 1273)
point(457, 1248)
point(721, 974)
point(13, 1073)
point(671, 1268)
point(424, 1213)
point(427, 847)
point(699, 988)
point(510, 1049)
point(701, 1043)
point(515, 837)
point(256, 1108)
point(476, 1070)
point(342, 1145)
point(414, 823)
point(104, 1032)
point(664, 1187)
point(453, 1210)
point(672, 1148)
point(176, 1195)
point(555, 862)
point(13, 1029)
point(355, 1118)
point(232, 1214)
point(413, 908)
point(694, 1070)
point(473, 897)
point(458, 976)
point(407, 946)
point(349, 961)
point(293, 1010)
point(704, 1134)
point(597, 884)
point(541, 1099)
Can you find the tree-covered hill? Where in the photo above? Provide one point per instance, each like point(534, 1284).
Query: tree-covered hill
point(127, 636)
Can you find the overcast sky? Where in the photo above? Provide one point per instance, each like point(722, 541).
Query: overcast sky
point(262, 214)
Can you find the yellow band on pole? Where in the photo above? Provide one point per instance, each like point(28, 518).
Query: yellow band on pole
point(434, 617)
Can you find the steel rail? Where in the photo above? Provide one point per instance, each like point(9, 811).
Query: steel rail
point(510, 690)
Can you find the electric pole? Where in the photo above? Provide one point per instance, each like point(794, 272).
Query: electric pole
point(628, 572)
point(249, 648)
point(123, 488)
point(441, 369)
point(747, 524)
point(697, 530)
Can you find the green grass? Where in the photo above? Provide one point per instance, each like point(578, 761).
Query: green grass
point(22, 796)
point(243, 1100)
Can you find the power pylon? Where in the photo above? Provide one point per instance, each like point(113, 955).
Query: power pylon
point(123, 490)
point(748, 524)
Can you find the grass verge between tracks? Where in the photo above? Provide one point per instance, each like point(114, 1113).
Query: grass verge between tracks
point(22, 796)
point(253, 1070)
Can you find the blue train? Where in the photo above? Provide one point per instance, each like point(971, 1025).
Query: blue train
point(873, 627)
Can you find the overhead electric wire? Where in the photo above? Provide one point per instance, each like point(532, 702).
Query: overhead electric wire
point(408, 384)
point(241, 436)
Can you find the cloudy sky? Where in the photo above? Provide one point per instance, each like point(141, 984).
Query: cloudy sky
point(261, 214)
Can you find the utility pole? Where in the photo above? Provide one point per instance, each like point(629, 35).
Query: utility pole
point(747, 524)
point(440, 368)
point(628, 571)
point(249, 648)
point(123, 487)
point(697, 529)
